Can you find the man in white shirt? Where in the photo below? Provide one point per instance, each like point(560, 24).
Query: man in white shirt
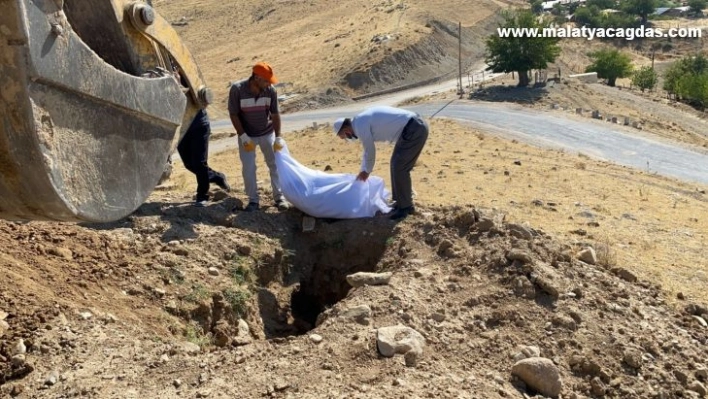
point(382, 123)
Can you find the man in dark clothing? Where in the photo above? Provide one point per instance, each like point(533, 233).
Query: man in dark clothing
point(194, 151)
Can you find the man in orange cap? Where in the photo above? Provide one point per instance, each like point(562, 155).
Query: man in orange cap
point(253, 108)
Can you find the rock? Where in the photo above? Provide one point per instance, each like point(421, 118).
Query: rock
point(18, 361)
point(625, 274)
point(702, 374)
point(360, 314)
point(597, 387)
point(362, 278)
point(523, 287)
point(446, 248)
point(17, 390)
point(540, 374)
point(221, 334)
point(681, 376)
point(696, 386)
point(3, 327)
point(190, 348)
point(316, 338)
point(633, 358)
point(177, 383)
point(281, 385)
point(61, 252)
point(520, 255)
point(244, 334)
point(545, 285)
point(526, 352)
point(52, 378)
point(213, 271)
point(438, 317)
point(19, 348)
point(519, 231)
point(588, 256)
point(564, 321)
point(484, 224)
point(401, 340)
point(701, 321)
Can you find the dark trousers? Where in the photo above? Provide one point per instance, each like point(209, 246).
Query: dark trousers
point(194, 151)
point(405, 154)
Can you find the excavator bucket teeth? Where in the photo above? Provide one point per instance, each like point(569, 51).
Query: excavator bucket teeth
point(84, 136)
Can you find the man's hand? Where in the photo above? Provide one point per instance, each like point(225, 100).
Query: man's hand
point(279, 144)
point(362, 176)
point(248, 144)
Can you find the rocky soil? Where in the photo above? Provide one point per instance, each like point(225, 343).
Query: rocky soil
point(175, 303)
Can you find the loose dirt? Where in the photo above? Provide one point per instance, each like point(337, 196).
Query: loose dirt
point(593, 272)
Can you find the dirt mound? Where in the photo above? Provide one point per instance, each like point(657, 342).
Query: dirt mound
point(174, 302)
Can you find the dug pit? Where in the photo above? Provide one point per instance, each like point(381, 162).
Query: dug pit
point(315, 273)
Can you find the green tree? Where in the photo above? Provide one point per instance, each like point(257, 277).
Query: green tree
point(697, 6)
point(640, 7)
point(610, 64)
point(587, 16)
point(601, 4)
point(645, 78)
point(687, 80)
point(520, 53)
point(536, 6)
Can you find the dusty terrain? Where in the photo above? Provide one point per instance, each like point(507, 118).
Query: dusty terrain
point(181, 302)
point(150, 306)
point(332, 50)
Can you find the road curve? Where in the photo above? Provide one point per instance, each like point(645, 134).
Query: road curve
point(596, 139)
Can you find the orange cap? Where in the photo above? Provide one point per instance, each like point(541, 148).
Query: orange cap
point(265, 71)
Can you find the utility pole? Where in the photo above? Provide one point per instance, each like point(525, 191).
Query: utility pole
point(653, 50)
point(459, 54)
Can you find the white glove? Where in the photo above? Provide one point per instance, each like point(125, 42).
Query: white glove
point(279, 144)
point(248, 144)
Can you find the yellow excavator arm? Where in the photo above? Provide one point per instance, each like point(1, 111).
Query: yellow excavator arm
point(90, 108)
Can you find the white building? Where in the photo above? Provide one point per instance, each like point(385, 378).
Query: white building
point(548, 5)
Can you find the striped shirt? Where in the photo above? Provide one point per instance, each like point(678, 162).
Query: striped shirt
point(254, 111)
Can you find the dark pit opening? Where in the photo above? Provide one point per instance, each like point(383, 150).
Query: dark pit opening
point(306, 306)
point(318, 267)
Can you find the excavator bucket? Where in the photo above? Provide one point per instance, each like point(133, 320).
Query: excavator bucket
point(89, 107)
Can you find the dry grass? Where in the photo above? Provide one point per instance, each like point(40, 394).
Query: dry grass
point(653, 226)
point(311, 44)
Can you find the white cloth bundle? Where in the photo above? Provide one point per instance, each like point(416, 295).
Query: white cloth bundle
point(330, 195)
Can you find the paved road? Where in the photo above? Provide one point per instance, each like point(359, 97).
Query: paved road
point(593, 138)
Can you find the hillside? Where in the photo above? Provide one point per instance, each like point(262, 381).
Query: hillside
point(177, 301)
point(526, 272)
point(332, 50)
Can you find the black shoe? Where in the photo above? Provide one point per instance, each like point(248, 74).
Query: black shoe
point(400, 213)
point(251, 207)
point(223, 184)
point(282, 205)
